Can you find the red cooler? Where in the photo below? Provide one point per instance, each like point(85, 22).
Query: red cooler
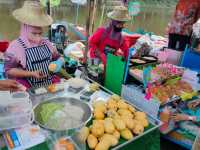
point(131, 39)
point(3, 46)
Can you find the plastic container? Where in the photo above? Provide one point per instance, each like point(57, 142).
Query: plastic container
point(21, 101)
point(17, 102)
point(15, 120)
point(15, 110)
point(52, 142)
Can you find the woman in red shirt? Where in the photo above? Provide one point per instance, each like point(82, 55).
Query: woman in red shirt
point(180, 28)
point(109, 39)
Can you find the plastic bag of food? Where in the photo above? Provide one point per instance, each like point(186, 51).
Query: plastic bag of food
point(143, 46)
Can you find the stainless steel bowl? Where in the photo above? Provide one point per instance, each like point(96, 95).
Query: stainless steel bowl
point(61, 100)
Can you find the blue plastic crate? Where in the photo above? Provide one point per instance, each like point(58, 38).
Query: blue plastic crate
point(191, 59)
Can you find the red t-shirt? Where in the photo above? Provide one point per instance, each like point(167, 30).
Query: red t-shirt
point(98, 41)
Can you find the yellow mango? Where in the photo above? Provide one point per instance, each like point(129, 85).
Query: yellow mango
point(97, 129)
point(109, 126)
point(98, 115)
point(109, 137)
point(138, 129)
point(112, 104)
point(128, 121)
point(112, 113)
point(98, 103)
point(103, 145)
point(126, 134)
point(140, 115)
point(115, 97)
point(144, 122)
point(101, 108)
point(125, 112)
point(108, 119)
point(98, 121)
point(119, 124)
point(131, 108)
point(116, 134)
point(92, 141)
point(83, 134)
point(122, 104)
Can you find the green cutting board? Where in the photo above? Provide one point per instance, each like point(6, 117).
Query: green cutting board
point(114, 76)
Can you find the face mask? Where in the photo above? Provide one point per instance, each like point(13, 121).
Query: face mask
point(35, 35)
point(116, 29)
point(36, 39)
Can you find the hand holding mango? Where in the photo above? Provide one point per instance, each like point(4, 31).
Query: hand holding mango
point(56, 66)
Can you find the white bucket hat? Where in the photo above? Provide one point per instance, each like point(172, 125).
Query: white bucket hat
point(32, 13)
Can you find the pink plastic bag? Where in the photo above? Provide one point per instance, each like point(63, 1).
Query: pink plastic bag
point(162, 56)
point(170, 56)
point(174, 56)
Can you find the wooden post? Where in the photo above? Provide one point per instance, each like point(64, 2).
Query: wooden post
point(49, 13)
point(93, 15)
point(88, 21)
point(77, 14)
point(102, 14)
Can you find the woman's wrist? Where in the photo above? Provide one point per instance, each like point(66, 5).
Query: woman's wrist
point(29, 74)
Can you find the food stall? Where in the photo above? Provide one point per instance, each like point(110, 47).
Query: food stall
point(86, 91)
point(47, 117)
point(48, 120)
point(81, 114)
point(163, 89)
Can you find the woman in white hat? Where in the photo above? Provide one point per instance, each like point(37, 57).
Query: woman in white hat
point(110, 37)
point(28, 57)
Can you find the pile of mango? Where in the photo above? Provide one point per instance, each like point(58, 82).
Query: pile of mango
point(113, 120)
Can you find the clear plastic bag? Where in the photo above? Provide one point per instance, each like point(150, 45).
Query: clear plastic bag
point(53, 140)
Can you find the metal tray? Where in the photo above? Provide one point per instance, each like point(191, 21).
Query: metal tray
point(153, 125)
point(147, 61)
point(85, 106)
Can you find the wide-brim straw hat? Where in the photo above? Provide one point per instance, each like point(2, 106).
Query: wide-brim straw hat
point(120, 13)
point(32, 13)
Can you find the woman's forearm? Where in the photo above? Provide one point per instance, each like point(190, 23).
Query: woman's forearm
point(19, 73)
